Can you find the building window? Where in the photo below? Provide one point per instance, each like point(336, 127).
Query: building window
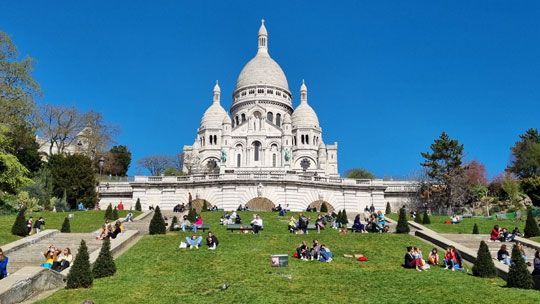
point(278, 120)
point(211, 138)
point(236, 119)
point(274, 160)
point(256, 150)
point(243, 117)
point(270, 116)
point(307, 139)
point(260, 91)
point(215, 139)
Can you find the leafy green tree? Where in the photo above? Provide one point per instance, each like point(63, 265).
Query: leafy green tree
point(80, 274)
point(444, 166)
point(531, 187)
point(344, 218)
point(483, 266)
point(122, 157)
point(518, 275)
point(324, 208)
point(402, 225)
point(109, 213)
point(359, 173)
point(526, 155)
point(531, 228)
point(418, 218)
point(74, 175)
point(388, 210)
point(425, 219)
point(115, 214)
point(13, 175)
point(138, 205)
point(192, 215)
point(19, 226)
point(66, 227)
point(104, 265)
point(24, 146)
point(157, 224)
point(475, 229)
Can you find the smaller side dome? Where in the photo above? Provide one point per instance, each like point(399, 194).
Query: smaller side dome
point(287, 119)
point(215, 114)
point(227, 120)
point(304, 116)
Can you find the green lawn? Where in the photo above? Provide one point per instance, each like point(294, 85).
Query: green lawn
point(84, 221)
point(467, 224)
point(156, 271)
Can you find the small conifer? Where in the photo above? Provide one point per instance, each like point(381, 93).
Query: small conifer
point(104, 265)
point(80, 274)
point(518, 275)
point(19, 226)
point(484, 267)
point(157, 224)
point(138, 205)
point(402, 225)
point(66, 227)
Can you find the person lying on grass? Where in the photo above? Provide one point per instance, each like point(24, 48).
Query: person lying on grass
point(211, 241)
point(193, 241)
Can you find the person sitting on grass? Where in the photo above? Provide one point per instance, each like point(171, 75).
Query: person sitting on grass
point(4, 262)
point(506, 236)
point(197, 224)
point(536, 263)
point(417, 254)
point(433, 257)
point(193, 241)
point(319, 223)
point(257, 224)
point(456, 219)
point(63, 260)
point(303, 251)
point(503, 256)
point(237, 219)
point(211, 241)
point(409, 260)
point(357, 225)
point(494, 235)
point(185, 223)
point(292, 225)
point(516, 232)
point(325, 254)
point(450, 259)
point(315, 250)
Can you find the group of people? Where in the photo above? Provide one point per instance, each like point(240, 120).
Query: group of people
point(230, 218)
point(282, 211)
point(375, 221)
point(414, 259)
point(195, 241)
point(37, 226)
point(57, 259)
point(179, 208)
point(317, 252)
point(185, 224)
point(504, 257)
point(503, 235)
point(110, 231)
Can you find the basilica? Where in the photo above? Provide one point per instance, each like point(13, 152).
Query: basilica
point(262, 131)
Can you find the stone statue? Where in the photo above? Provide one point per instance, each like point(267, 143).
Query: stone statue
point(223, 156)
point(259, 190)
point(287, 155)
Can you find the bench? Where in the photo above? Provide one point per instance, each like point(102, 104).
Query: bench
point(204, 227)
point(240, 227)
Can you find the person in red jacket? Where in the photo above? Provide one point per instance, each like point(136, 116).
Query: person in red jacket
point(120, 206)
point(494, 235)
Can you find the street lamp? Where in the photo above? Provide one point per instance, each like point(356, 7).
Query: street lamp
point(100, 164)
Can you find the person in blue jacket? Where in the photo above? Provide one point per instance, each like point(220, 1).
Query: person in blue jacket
point(3, 264)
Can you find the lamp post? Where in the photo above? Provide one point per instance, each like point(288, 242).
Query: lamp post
point(100, 164)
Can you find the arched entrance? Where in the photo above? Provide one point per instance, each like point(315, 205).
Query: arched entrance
point(199, 203)
point(318, 203)
point(260, 204)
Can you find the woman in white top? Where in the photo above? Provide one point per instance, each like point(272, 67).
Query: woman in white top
point(63, 260)
point(257, 224)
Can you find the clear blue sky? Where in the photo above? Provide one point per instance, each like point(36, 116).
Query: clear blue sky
point(385, 77)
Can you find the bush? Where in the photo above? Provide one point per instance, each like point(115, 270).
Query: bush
point(157, 224)
point(115, 214)
point(418, 218)
point(425, 219)
point(484, 267)
point(475, 229)
point(192, 215)
point(109, 213)
point(324, 208)
point(388, 210)
point(66, 227)
point(174, 222)
point(138, 205)
point(204, 206)
point(104, 266)
point(531, 228)
point(19, 226)
point(402, 225)
point(80, 275)
point(518, 275)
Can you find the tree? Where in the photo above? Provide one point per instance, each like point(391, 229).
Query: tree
point(475, 229)
point(19, 226)
point(344, 218)
point(115, 214)
point(156, 164)
point(97, 135)
point(425, 219)
point(531, 228)
point(109, 213)
point(402, 225)
point(531, 187)
point(418, 218)
point(66, 227)
point(518, 275)
point(80, 275)
point(359, 173)
point(74, 175)
point(13, 175)
point(526, 155)
point(174, 222)
point(324, 208)
point(120, 160)
point(157, 224)
point(388, 210)
point(24, 146)
point(17, 87)
point(104, 265)
point(444, 167)
point(192, 215)
point(475, 173)
point(138, 205)
point(483, 266)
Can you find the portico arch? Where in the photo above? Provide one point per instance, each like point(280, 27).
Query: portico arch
point(318, 203)
point(260, 204)
point(198, 204)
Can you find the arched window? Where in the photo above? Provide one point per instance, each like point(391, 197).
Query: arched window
point(238, 160)
point(307, 139)
point(256, 150)
point(270, 116)
point(274, 160)
point(278, 120)
point(215, 139)
point(236, 119)
point(243, 117)
point(211, 139)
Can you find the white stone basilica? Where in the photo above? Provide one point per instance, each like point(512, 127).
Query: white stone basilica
point(263, 132)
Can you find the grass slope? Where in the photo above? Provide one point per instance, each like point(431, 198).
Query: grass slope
point(84, 221)
point(156, 271)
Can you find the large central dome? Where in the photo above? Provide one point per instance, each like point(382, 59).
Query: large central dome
point(262, 69)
